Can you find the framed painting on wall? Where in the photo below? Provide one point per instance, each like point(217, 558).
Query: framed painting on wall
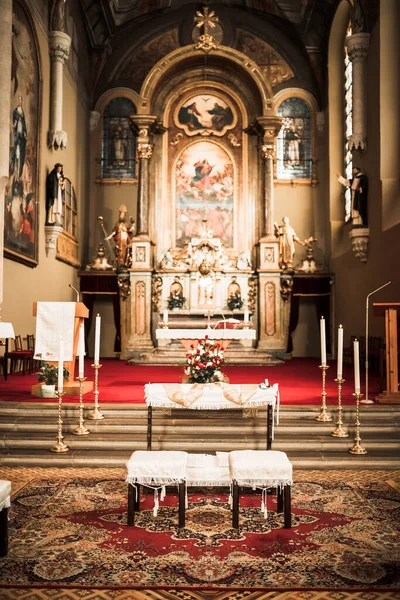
point(204, 191)
point(21, 193)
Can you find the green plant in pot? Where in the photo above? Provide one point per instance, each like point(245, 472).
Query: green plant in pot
point(48, 375)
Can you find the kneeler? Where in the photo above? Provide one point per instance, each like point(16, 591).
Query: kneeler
point(156, 470)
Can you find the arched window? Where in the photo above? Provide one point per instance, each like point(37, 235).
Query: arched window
point(348, 112)
point(294, 143)
point(118, 155)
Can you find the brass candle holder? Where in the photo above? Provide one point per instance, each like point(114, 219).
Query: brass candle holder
point(96, 415)
point(60, 446)
point(323, 415)
point(246, 325)
point(164, 325)
point(81, 429)
point(339, 431)
point(357, 448)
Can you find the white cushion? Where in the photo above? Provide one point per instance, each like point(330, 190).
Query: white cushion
point(5, 493)
point(207, 470)
point(260, 467)
point(157, 467)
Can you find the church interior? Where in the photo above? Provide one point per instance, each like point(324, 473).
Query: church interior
point(215, 178)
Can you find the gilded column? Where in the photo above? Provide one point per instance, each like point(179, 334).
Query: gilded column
point(357, 47)
point(5, 86)
point(59, 44)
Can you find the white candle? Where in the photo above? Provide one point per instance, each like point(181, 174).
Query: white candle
point(82, 351)
point(165, 316)
point(357, 388)
point(61, 366)
point(340, 353)
point(97, 341)
point(246, 316)
point(323, 342)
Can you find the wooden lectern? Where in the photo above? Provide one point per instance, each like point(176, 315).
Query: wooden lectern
point(71, 387)
point(389, 311)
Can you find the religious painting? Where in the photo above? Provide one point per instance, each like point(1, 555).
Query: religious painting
point(21, 193)
point(204, 191)
point(205, 114)
point(294, 144)
point(118, 157)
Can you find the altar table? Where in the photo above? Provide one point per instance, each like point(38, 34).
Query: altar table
point(213, 396)
point(187, 337)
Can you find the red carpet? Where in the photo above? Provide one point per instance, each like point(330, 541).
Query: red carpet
point(299, 381)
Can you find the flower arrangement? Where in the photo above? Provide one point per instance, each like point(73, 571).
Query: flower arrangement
point(175, 300)
point(48, 374)
point(203, 363)
point(235, 302)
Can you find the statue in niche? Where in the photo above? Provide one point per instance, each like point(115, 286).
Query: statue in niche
point(359, 196)
point(122, 234)
point(55, 185)
point(58, 20)
point(358, 21)
point(175, 299)
point(287, 237)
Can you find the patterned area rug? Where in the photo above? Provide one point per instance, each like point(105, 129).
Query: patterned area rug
point(72, 532)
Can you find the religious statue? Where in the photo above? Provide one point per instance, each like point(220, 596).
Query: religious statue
point(287, 236)
point(175, 299)
point(55, 185)
point(166, 259)
point(359, 196)
point(20, 136)
point(244, 261)
point(122, 234)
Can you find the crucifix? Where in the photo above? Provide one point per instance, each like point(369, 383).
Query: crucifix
point(207, 20)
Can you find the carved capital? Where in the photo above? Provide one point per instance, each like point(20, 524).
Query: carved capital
point(357, 141)
point(357, 47)
point(145, 151)
point(57, 139)
point(51, 235)
point(59, 45)
point(267, 152)
point(359, 242)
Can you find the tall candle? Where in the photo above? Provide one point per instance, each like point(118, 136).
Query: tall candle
point(323, 342)
point(165, 316)
point(340, 353)
point(82, 351)
point(246, 316)
point(97, 341)
point(357, 388)
point(61, 366)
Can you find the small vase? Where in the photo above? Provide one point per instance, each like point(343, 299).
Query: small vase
point(48, 391)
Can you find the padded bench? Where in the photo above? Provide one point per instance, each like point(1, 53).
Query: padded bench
point(5, 495)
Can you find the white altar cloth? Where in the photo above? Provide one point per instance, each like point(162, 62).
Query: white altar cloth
point(199, 334)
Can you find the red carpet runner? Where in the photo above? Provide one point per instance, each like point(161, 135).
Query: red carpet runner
point(299, 381)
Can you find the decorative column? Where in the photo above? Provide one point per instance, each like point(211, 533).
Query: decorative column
point(59, 44)
point(389, 95)
point(5, 86)
point(270, 127)
point(144, 152)
point(357, 47)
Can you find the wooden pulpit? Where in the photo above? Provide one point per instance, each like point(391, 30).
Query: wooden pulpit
point(389, 311)
point(71, 387)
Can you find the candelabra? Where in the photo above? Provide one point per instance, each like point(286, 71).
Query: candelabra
point(357, 448)
point(339, 431)
point(323, 415)
point(60, 446)
point(96, 415)
point(81, 429)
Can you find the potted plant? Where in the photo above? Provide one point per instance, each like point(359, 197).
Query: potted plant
point(48, 376)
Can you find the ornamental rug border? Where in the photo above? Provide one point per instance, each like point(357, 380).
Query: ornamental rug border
point(72, 533)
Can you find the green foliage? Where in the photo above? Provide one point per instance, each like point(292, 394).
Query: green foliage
point(235, 302)
point(48, 374)
point(175, 301)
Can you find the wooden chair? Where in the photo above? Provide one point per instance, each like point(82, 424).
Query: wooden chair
point(20, 359)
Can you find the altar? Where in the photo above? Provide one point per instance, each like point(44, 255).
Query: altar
point(190, 337)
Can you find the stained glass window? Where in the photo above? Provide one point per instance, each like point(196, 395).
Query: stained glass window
point(348, 111)
point(118, 157)
point(294, 147)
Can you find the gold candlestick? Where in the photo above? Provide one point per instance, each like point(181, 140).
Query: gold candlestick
point(81, 429)
point(246, 325)
point(323, 415)
point(339, 431)
point(357, 448)
point(60, 446)
point(96, 415)
point(164, 325)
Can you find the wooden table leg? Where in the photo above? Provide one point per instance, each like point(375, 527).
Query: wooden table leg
point(149, 426)
point(270, 426)
point(287, 509)
point(4, 532)
point(235, 505)
point(279, 494)
point(131, 505)
point(181, 502)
